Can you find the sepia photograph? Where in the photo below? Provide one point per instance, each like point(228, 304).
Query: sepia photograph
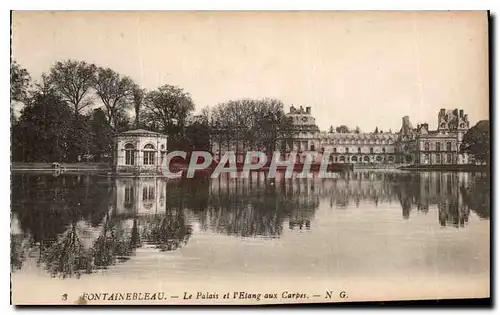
point(249, 157)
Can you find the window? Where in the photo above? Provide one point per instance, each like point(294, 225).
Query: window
point(129, 154)
point(359, 150)
point(354, 159)
point(366, 158)
point(346, 150)
point(426, 146)
point(334, 150)
point(148, 193)
point(379, 158)
point(438, 158)
point(448, 146)
point(149, 155)
point(383, 150)
point(438, 146)
point(129, 197)
point(448, 158)
point(371, 150)
point(391, 159)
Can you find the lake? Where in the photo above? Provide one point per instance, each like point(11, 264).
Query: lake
point(374, 234)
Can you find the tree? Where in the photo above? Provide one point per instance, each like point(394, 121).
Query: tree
point(20, 82)
point(251, 124)
point(72, 81)
point(166, 109)
point(101, 135)
point(138, 98)
point(342, 129)
point(331, 130)
point(357, 130)
point(44, 130)
point(376, 130)
point(115, 93)
point(476, 142)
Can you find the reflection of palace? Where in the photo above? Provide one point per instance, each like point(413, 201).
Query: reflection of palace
point(76, 224)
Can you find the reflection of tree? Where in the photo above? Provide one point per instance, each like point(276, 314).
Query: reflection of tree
point(477, 195)
point(250, 209)
point(46, 205)
point(18, 251)
point(167, 232)
point(67, 256)
point(113, 244)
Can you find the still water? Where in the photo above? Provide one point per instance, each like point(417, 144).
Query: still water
point(86, 232)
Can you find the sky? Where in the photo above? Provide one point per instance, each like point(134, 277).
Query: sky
point(366, 69)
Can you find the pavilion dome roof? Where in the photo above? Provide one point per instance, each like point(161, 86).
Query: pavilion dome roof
point(141, 132)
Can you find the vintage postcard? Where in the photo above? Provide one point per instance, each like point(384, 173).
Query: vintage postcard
point(186, 158)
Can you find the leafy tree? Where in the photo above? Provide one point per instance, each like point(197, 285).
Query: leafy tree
point(44, 130)
point(331, 130)
point(20, 82)
point(166, 110)
point(138, 98)
point(198, 136)
point(254, 124)
point(115, 93)
point(342, 129)
point(476, 142)
point(72, 81)
point(101, 135)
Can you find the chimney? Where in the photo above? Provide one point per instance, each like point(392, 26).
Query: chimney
point(442, 112)
point(308, 110)
point(461, 113)
point(406, 121)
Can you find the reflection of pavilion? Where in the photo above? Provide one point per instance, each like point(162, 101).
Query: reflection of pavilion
point(140, 196)
point(149, 220)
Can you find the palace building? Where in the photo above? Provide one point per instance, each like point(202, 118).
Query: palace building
point(442, 146)
point(361, 148)
point(408, 146)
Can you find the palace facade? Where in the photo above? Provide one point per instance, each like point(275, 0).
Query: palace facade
point(410, 145)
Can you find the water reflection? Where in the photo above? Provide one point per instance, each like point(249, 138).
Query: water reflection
point(72, 225)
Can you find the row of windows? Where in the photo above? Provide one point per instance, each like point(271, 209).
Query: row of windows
point(341, 141)
point(438, 158)
point(346, 150)
point(148, 195)
point(149, 146)
point(148, 157)
point(427, 146)
point(364, 159)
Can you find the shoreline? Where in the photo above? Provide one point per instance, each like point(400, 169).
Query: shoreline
point(447, 168)
point(104, 167)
